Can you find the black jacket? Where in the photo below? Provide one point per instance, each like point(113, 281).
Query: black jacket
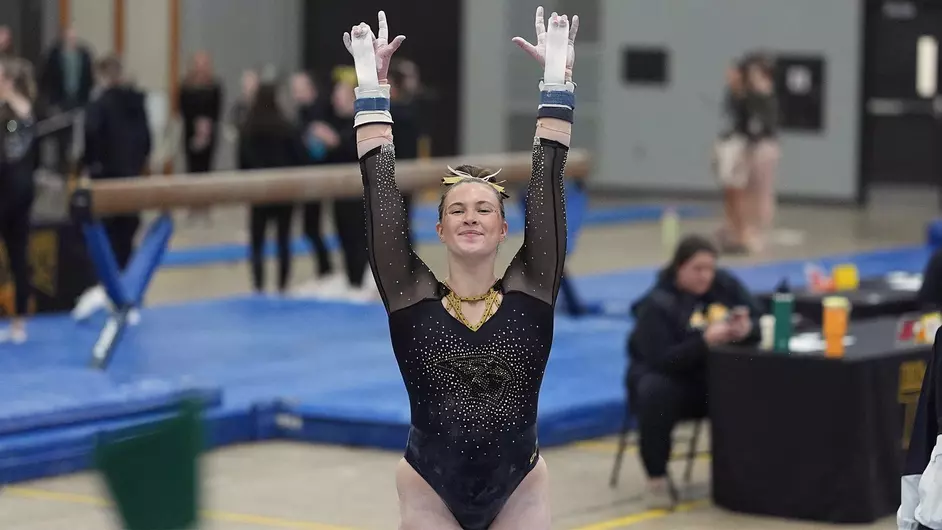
point(52, 79)
point(666, 337)
point(271, 148)
point(117, 134)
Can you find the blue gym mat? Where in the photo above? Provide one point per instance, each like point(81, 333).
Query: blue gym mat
point(424, 217)
point(315, 371)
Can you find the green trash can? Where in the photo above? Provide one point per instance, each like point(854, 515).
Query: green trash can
point(152, 473)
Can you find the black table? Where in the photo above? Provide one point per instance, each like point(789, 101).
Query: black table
point(802, 436)
point(874, 298)
point(59, 265)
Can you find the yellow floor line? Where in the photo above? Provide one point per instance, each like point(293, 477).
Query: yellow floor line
point(629, 520)
point(259, 520)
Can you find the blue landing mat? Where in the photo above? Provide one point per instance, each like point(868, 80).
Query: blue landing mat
point(313, 370)
point(424, 218)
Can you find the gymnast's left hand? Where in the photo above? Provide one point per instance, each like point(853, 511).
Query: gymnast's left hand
point(555, 49)
point(371, 54)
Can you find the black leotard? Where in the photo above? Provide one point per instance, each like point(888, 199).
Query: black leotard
point(473, 394)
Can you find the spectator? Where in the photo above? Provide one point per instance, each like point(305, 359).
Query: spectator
point(17, 189)
point(692, 307)
point(268, 139)
point(349, 215)
point(319, 138)
point(117, 144)
point(7, 49)
point(66, 85)
point(200, 103)
point(405, 112)
point(763, 153)
point(730, 162)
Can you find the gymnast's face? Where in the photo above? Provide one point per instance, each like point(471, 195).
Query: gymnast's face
point(472, 224)
point(696, 274)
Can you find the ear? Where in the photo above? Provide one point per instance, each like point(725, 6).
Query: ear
point(440, 230)
point(504, 228)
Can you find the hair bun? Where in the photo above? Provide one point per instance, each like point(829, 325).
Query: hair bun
point(456, 175)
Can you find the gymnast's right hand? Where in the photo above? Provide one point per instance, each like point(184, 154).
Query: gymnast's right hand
point(371, 54)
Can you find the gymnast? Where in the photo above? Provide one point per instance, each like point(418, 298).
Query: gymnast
point(472, 349)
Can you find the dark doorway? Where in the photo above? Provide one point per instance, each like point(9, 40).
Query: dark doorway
point(902, 128)
point(434, 47)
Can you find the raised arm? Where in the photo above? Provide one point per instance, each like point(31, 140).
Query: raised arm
point(537, 269)
point(402, 278)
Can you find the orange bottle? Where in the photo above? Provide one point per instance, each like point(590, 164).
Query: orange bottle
point(834, 324)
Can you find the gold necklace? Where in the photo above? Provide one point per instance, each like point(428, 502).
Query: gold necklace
point(454, 301)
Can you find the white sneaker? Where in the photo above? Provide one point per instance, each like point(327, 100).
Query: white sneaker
point(92, 301)
point(657, 495)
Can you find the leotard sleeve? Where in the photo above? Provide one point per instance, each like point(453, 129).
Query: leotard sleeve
point(402, 277)
point(537, 268)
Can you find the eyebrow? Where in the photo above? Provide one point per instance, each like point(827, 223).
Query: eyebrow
point(459, 203)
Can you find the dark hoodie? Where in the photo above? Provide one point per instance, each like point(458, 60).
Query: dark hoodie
point(666, 337)
point(117, 135)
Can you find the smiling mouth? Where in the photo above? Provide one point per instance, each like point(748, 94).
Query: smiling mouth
point(470, 233)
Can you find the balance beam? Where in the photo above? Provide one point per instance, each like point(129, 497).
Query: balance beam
point(131, 195)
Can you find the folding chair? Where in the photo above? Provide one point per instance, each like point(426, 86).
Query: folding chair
point(626, 430)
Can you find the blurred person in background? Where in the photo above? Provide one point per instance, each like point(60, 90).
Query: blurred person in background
point(349, 215)
point(117, 145)
point(730, 163)
point(319, 138)
point(66, 84)
point(268, 139)
point(17, 188)
point(403, 105)
point(763, 153)
point(240, 109)
point(200, 103)
point(692, 307)
point(7, 49)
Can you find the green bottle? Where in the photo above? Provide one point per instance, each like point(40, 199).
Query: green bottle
point(782, 307)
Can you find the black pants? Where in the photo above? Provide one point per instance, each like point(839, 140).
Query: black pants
point(200, 161)
point(14, 230)
point(659, 402)
point(259, 219)
point(350, 221)
point(121, 230)
point(314, 233)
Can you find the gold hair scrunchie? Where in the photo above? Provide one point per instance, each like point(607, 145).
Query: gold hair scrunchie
point(457, 176)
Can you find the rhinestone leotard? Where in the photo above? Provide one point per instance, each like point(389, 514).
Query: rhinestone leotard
point(473, 394)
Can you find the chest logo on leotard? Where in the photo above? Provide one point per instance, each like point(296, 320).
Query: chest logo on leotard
point(486, 376)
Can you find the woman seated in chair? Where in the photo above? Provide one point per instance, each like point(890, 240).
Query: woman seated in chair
point(692, 306)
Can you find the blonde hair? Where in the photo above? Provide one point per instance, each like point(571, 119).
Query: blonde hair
point(474, 174)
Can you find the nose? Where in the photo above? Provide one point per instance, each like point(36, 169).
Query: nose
point(470, 218)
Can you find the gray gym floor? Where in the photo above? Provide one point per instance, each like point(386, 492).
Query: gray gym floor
point(311, 487)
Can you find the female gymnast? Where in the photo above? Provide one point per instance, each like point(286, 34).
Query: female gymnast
point(17, 190)
point(472, 349)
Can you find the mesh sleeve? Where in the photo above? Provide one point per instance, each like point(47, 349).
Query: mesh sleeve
point(537, 268)
point(402, 277)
